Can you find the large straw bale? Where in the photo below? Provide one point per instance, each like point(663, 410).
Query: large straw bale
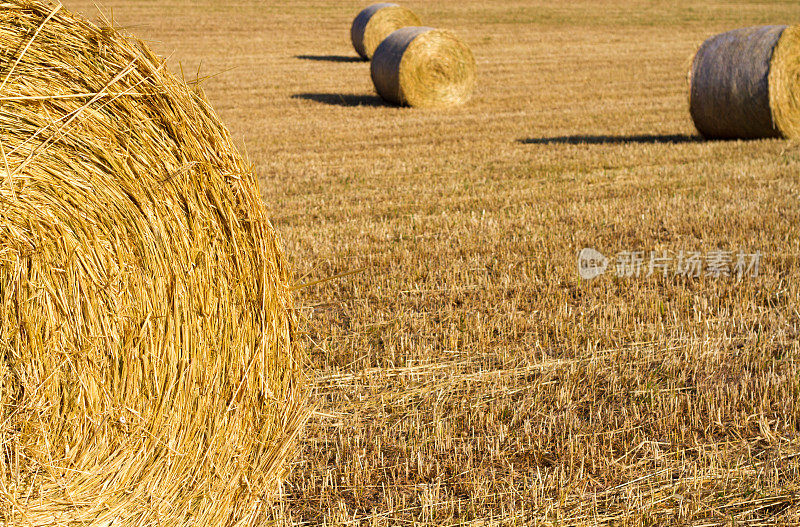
point(377, 22)
point(148, 373)
point(424, 67)
point(746, 84)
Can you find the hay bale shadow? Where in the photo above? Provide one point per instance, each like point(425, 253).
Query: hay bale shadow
point(613, 139)
point(342, 99)
point(330, 58)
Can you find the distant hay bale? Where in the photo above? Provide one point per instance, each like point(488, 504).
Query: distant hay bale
point(424, 67)
point(746, 84)
point(377, 22)
point(148, 369)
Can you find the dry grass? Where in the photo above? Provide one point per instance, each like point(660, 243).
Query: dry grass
point(467, 376)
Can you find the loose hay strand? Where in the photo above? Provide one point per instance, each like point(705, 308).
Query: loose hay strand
point(149, 372)
point(372, 25)
point(424, 67)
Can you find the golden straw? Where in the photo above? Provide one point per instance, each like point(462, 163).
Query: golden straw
point(149, 373)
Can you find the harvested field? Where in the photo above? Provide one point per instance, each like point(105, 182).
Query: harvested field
point(465, 374)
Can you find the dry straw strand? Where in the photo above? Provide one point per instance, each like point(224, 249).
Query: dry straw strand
point(149, 372)
point(424, 67)
point(744, 84)
point(372, 25)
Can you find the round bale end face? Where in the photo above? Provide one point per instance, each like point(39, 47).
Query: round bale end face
point(149, 372)
point(784, 83)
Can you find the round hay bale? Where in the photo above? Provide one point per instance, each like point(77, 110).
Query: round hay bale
point(377, 22)
point(424, 67)
point(745, 84)
point(149, 374)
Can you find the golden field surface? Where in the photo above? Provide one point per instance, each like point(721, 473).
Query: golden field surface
point(464, 374)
